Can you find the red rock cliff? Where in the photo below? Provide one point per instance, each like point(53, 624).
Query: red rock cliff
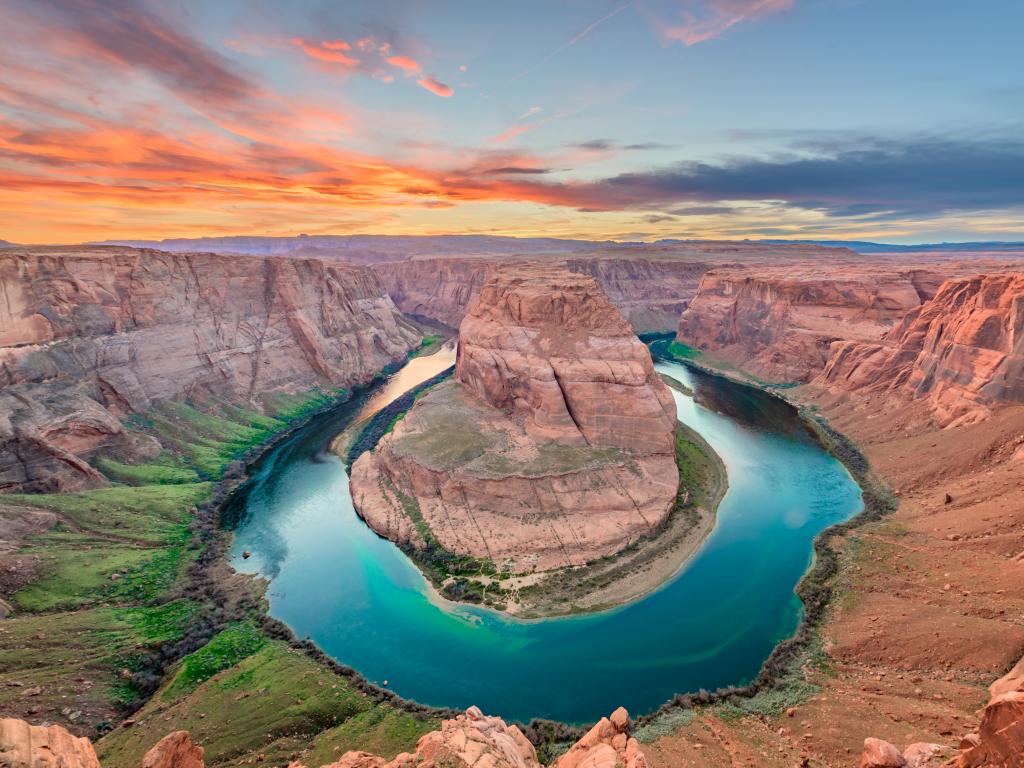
point(90, 335)
point(780, 322)
point(962, 351)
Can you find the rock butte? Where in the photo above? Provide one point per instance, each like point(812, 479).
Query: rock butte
point(553, 446)
point(89, 336)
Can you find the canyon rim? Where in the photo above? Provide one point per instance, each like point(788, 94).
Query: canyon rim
point(605, 384)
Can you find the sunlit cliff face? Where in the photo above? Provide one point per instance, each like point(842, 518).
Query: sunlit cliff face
point(638, 119)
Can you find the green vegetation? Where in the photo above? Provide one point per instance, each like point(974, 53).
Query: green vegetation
point(145, 474)
point(238, 641)
point(274, 702)
point(125, 595)
point(117, 544)
point(429, 345)
point(204, 440)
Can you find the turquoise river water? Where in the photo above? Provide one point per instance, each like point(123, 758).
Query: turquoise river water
point(712, 625)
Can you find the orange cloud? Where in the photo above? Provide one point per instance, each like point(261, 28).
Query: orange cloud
point(326, 52)
point(404, 63)
point(435, 86)
point(718, 17)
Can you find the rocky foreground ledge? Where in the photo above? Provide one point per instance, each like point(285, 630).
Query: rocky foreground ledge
point(553, 446)
point(471, 740)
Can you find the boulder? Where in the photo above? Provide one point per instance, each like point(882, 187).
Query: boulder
point(175, 750)
point(35, 746)
point(880, 754)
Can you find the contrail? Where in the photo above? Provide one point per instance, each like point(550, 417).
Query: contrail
point(569, 43)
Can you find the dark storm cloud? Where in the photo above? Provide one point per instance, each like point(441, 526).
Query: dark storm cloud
point(861, 178)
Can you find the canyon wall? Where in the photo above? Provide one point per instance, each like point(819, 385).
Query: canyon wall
point(89, 336)
point(650, 293)
point(961, 351)
point(779, 323)
point(553, 446)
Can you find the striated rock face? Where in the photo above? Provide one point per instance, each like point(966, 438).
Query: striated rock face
point(35, 746)
point(962, 351)
point(780, 323)
point(549, 346)
point(91, 335)
point(650, 293)
point(553, 446)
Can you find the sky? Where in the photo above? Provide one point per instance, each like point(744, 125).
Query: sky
point(892, 120)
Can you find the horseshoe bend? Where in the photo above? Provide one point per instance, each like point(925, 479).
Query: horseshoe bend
point(604, 384)
point(552, 446)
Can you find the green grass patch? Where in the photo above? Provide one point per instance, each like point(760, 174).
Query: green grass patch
point(227, 648)
point(275, 703)
point(146, 514)
point(428, 345)
point(145, 474)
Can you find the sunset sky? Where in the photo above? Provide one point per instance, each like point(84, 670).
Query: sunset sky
point(895, 120)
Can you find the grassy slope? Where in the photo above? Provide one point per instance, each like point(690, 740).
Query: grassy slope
point(274, 702)
point(109, 592)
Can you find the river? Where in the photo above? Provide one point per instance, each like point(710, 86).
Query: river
point(712, 625)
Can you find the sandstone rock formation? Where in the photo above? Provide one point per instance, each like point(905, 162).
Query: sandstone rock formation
point(553, 446)
point(779, 322)
point(606, 745)
point(473, 740)
point(91, 335)
point(470, 740)
point(34, 746)
point(961, 351)
point(175, 750)
point(549, 346)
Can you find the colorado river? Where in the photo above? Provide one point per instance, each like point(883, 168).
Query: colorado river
point(712, 625)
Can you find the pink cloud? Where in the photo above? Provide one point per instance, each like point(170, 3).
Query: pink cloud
point(719, 16)
point(435, 86)
point(336, 45)
point(404, 63)
point(326, 51)
point(463, 68)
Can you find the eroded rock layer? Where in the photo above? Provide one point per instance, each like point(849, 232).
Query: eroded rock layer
point(779, 323)
point(91, 335)
point(961, 351)
point(553, 446)
point(650, 292)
